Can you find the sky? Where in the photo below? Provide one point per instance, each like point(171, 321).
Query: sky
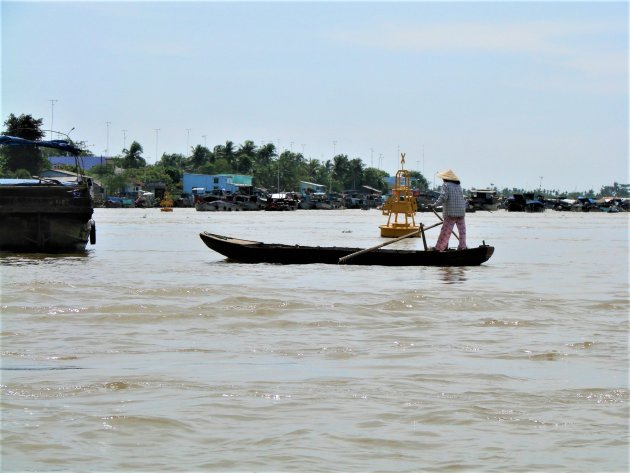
point(512, 94)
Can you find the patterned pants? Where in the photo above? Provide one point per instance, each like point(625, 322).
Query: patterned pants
point(447, 229)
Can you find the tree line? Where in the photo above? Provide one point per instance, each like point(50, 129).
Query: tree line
point(269, 168)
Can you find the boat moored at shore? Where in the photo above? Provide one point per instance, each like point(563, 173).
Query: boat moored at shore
point(45, 215)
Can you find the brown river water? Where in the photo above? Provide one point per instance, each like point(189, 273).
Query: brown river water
point(152, 353)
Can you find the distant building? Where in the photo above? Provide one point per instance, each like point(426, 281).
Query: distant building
point(86, 162)
point(157, 188)
point(226, 182)
point(96, 189)
point(311, 187)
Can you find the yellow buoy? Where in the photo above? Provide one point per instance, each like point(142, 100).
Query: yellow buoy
point(166, 203)
point(401, 204)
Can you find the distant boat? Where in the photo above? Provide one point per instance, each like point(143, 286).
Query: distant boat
point(217, 205)
point(524, 203)
point(585, 204)
point(483, 199)
point(228, 202)
point(249, 202)
point(319, 201)
point(45, 215)
point(282, 201)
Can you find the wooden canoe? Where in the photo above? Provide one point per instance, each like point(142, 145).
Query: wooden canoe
point(247, 251)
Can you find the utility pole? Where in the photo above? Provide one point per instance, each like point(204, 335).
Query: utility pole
point(157, 131)
point(107, 145)
point(52, 115)
point(278, 166)
point(423, 160)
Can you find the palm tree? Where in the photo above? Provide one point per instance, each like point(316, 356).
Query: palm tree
point(228, 153)
point(132, 157)
point(245, 157)
point(265, 154)
point(199, 157)
point(312, 167)
point(341, 169)
point(356, 167)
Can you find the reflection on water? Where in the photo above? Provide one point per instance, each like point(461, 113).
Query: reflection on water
point(27, 259)
point(453, 275)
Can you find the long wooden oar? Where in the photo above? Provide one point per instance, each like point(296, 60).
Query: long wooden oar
point(343, 259)
point(438, 216)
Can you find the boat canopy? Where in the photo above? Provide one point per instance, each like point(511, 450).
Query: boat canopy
point(372, 189)
point(586, 199)
point(57, 144)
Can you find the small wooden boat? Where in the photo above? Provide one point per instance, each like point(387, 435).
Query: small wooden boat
point(247, 251)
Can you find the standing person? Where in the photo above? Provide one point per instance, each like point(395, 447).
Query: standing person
point(452, 199)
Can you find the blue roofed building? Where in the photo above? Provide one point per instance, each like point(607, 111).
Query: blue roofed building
point(214, 182)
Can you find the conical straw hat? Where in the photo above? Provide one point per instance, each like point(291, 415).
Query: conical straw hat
point(448, 175)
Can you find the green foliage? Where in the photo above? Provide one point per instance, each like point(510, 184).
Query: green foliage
point(174, 174)
point(419, 180)
point(616, 190)
point(132, 157)
point(27, 158)
point(245, 157)
point(114, 183)
point(116, 179)
point(24, 126)
point(102, 170)
point(148, 174)
point(200, 157)
point(341, 169)
point(376, 178)
point(21, 174)
point(172, 161)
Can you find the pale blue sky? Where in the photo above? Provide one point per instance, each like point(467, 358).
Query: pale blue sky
point(513, 94)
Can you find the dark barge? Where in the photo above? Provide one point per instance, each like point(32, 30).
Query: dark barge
point(45, 215)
